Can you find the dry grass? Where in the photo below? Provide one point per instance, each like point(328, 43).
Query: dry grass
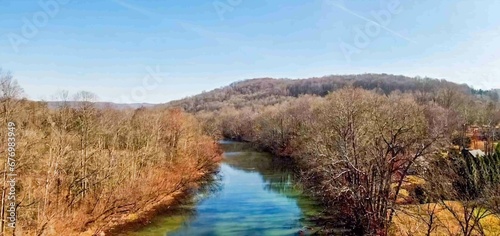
point(414, 221)
point(410, 183)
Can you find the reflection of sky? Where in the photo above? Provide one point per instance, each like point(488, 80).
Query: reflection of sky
point(244, 207)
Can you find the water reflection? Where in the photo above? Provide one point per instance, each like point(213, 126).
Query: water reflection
point(253, 194)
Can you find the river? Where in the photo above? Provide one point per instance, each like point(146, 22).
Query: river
point(254, 194)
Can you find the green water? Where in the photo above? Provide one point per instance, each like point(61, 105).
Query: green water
point(254, 195)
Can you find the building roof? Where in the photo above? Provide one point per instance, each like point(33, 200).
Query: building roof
point(477, 152)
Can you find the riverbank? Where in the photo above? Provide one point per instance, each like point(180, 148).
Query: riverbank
point(411, 218)
point(254, 194)
point(168, 205)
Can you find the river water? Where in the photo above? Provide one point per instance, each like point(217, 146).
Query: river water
point(254, 194)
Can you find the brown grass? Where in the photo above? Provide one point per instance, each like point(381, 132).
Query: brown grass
point(413, 221)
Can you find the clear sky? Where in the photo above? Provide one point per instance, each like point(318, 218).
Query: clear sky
point(156, 51)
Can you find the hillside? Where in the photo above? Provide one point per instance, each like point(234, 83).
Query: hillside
point(269, 91)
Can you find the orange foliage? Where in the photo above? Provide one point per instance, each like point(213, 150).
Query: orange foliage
point(87, 170)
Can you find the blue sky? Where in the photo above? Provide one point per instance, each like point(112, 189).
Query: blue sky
point(156, 51)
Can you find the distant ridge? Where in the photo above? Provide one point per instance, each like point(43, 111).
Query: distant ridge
point(269, 91)
point(101, 105)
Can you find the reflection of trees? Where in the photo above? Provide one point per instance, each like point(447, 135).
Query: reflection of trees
point(277, 175)
point(186, 209)
point(282, 183)
point(231, 146)
point(211, 185)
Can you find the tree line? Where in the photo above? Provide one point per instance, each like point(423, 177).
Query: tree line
point(85, 170)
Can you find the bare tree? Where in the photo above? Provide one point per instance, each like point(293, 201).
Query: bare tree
point(363, 146)
point(10, 93)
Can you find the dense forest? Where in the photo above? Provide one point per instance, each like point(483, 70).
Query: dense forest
point(84, 170)
point(386, 155)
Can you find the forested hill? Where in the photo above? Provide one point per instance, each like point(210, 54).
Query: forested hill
point(269, 91)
